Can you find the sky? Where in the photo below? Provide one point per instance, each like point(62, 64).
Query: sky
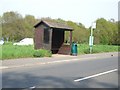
point(80, 11)
point(119, 11)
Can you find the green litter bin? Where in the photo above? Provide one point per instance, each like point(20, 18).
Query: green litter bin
point(74, 49)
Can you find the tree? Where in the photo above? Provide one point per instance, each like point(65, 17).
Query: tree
point(106, 32)
point(15, 27)
point(0, 27)
point(29, 22)
point(12, 25)
point(80, 33)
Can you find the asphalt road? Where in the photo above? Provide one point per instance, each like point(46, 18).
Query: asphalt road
point(96, 73)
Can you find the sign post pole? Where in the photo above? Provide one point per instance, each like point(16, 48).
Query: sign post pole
point(91, 38)
point(91, 43)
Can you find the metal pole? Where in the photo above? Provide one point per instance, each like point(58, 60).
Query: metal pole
point(91, 34)
point(93, 25)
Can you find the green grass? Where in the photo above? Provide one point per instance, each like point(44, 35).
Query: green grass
point(9, 51)
point(84, 48)
point(42, 53)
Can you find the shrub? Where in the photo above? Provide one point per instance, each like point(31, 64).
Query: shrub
point(8, 43)
point(42, 53)
point(87, 51)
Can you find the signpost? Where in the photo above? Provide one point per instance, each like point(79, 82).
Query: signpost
point(91, 43)
point(91, 38)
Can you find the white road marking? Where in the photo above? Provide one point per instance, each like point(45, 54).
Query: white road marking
point(32, 87)
point(96, 75)
point(3, 67)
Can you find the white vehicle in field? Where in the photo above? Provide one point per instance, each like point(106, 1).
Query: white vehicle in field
point(25, 41)
point(1, 42)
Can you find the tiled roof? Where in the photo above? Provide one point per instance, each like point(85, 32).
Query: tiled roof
point(54, 24)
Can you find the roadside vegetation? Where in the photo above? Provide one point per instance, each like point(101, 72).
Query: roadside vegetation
point(10, 51)
point(84, 48)
point(16, 27)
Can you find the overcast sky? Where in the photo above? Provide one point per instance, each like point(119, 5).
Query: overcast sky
point(83, 11)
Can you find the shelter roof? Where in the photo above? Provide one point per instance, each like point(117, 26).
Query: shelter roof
point(54, 24)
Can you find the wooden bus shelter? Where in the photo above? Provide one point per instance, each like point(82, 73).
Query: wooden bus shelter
point(49, 35)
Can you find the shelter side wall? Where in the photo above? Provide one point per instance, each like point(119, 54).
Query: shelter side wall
point(40, 35)
point(38, 38)
point(57, 39)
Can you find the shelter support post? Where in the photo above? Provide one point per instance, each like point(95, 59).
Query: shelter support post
point(70, 38)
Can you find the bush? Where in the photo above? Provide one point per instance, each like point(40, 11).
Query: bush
point(87, 51)
point(8, 43)
point(42, 53)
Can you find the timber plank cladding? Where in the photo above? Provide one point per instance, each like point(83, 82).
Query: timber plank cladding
point(49, 35)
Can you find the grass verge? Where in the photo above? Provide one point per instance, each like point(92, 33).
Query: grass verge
point(84, 48)
point(9, 51)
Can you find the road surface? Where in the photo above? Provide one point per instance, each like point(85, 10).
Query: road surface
point(94, 73)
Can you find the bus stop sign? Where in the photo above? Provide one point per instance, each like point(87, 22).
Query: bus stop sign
point(91, 40)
